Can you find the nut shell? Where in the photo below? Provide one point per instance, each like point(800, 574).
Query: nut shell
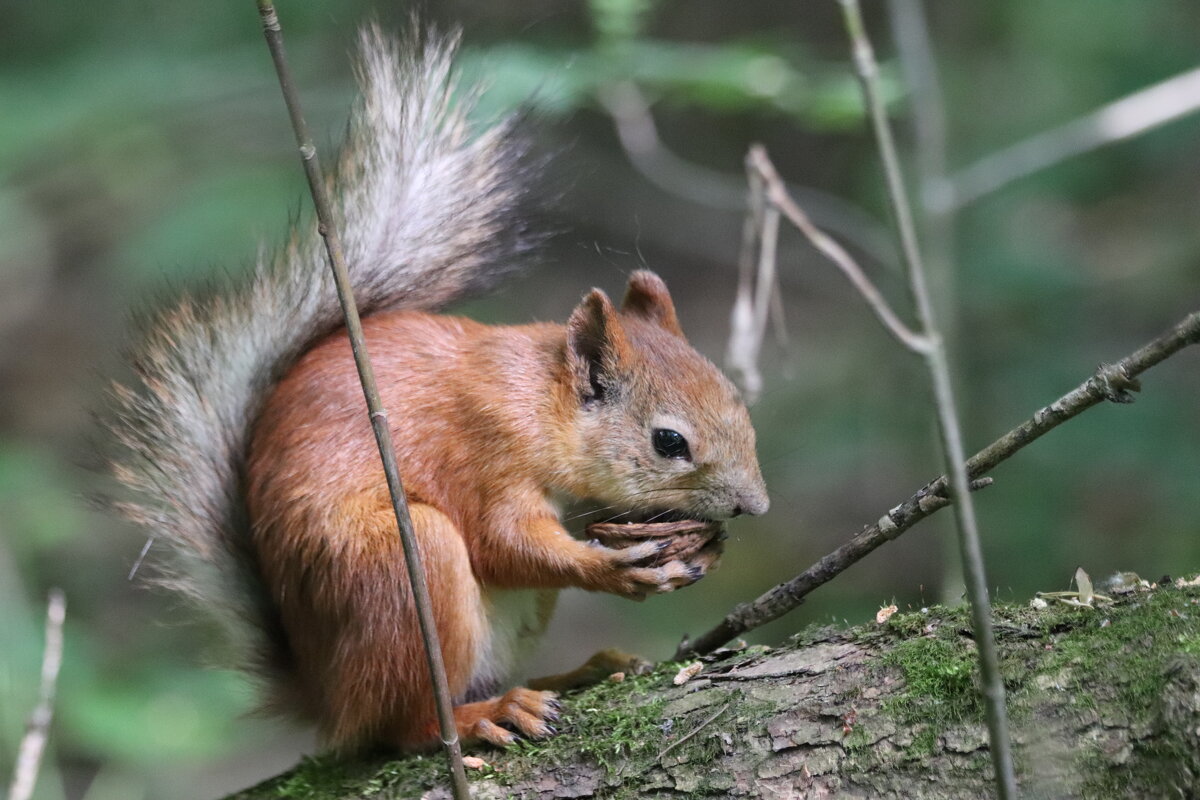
point(685, 537)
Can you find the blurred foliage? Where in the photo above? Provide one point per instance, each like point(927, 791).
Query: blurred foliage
point(146, 147)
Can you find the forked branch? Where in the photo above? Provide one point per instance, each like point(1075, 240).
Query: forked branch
point(777, 195)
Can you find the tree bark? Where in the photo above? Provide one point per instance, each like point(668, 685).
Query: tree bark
point(1104, 700)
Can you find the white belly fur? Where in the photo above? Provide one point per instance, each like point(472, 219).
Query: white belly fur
point(517, 618)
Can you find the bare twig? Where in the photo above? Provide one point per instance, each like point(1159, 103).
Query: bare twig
point(949, 430)
point(1113, 383)
point(33, 743)
point(1121, 119)
point(638, 135)
point(755, 323)
point(928, 114)
point(378, 416)
point(768, 279)
point(758, 295)
point(741, 354)
point(917, 64)
point(779, 198)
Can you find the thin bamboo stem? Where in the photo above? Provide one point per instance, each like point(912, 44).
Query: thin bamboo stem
point(378, 416)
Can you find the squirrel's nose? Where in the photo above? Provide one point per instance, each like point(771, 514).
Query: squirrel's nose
point(753, 503)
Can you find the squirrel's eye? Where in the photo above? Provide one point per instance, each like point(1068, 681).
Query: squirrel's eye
point(671, 444)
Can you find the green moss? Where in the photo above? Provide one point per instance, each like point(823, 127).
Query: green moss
point(924, 743)
point(922, 623)
point(1126, 658)
point(938, 665)
point(1119, 662)
point(1156, 770)
point(857, 739)
point(613, 724)
point(1127, 650)
point(617, 726)
point(425, 771)
point(938, 677)
point(330, 778)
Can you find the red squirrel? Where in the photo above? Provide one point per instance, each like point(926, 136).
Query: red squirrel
point(248, 445)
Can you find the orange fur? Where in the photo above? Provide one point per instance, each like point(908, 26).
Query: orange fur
point(488, 423)
point(246, 447)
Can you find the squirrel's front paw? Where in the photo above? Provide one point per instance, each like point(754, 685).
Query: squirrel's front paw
point(637, 572)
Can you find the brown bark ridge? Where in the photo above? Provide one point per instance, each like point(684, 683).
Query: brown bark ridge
point(1104, 701)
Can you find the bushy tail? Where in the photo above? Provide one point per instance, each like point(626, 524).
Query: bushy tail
point(427, 213)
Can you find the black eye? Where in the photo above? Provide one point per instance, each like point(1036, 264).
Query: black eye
point(671, 444)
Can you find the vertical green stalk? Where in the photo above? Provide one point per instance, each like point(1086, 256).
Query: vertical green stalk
point(948, 425)
point(379, 421)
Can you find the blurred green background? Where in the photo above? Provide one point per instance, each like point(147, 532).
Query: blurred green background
point(145, 145)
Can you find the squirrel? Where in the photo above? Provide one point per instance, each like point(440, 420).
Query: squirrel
point(249, 452)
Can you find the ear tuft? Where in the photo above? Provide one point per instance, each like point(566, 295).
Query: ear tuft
point(647, 297)
point(596, 346)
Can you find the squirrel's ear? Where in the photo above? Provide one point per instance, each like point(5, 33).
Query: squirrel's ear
point(596, 345)
point(647, 297)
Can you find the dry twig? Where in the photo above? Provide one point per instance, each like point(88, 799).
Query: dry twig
point(777, 194)
point(927, 112)
point(1111, 382)
point(1121, 119)
point(638, 135)
point(33, 743)
point(378, 416)
point(949, 429)
point(741, 354)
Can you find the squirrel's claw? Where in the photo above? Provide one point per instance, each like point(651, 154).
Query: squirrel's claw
point(524, 711)
point(487, 731)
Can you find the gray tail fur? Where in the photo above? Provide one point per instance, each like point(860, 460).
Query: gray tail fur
point(427, 213)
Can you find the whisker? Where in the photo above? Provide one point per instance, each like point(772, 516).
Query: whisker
point(618, 515)
point(635, 494)
point(629, 512)
point(591, 511)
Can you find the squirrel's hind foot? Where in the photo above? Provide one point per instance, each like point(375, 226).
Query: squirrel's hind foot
point(600, 667)
point(499, 720)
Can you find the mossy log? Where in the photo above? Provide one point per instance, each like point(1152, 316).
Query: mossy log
point(1104, 701)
